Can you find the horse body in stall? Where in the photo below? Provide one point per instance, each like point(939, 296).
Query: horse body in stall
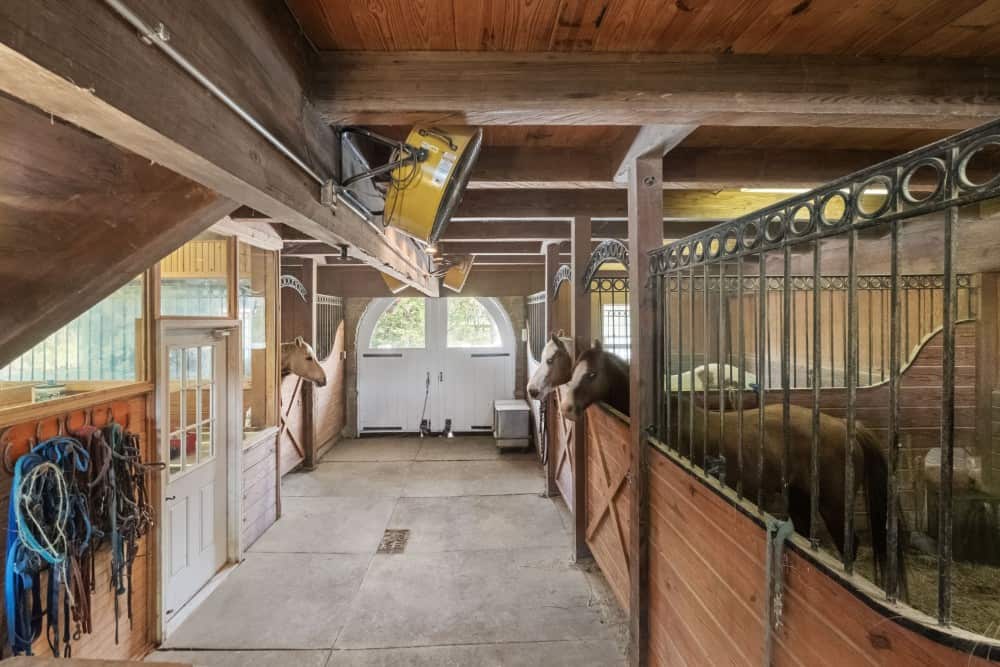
point(298, 358)
point(601, 376)
point(710, 375)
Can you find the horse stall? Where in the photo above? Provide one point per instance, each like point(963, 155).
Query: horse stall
point(831, 498)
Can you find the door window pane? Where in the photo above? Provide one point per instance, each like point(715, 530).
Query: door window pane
point(194, 278)
point(402, 325)
point(190, 406)
point(470, 324)
point(616, 336)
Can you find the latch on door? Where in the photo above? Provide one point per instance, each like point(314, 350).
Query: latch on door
point(440, 376)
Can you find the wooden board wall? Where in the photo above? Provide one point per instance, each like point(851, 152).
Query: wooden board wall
point(707, 603)
point(259, 490)
point(293, 405)
point(608, 497)
point(330, 409)
point(134, 642)
point(561, 449)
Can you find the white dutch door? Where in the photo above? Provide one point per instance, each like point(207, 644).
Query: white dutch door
point(194, 446)
point(435, 359)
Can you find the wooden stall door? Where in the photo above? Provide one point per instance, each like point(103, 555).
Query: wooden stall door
point(561, 449)
point(292, 423)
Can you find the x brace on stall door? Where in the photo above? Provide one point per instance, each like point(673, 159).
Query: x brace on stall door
point(284, 421)
point(606, 506)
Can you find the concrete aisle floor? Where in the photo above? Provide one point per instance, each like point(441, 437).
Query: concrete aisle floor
point(485, 578)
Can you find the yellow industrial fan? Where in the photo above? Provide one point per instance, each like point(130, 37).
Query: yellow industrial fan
point(394, 284)
point(420, 186)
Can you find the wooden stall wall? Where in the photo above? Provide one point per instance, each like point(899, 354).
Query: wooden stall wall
point(293, 423)
point(707, 570)
point(329, 402)
point(134, 639)
point(560, 432)
point(608, 496)
point(260, 501)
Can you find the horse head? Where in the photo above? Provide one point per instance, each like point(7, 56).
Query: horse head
point(555, 369)
point(597, 376)
point(298, 357)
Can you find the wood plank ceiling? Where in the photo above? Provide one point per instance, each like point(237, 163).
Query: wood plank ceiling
point(948, 28)
point(712, 157)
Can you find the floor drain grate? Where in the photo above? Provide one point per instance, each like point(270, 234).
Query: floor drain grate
point(393, 541)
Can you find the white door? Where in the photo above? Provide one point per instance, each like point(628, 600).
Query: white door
point(194, 391)
point(438, 359)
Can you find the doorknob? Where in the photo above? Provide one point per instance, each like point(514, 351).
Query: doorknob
point(169, 498)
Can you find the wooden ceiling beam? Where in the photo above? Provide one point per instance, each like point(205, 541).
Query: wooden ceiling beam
point(84, 63)
point(677, 204)
point(496, 88)
point(683, 168)
point(648, 139)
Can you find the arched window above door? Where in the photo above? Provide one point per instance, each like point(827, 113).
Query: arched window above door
point(470, 324)
point(401, 326)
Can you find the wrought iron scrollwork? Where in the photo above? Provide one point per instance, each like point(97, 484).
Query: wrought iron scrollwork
point(563, 273)
point(611, 250)
point(295, 284)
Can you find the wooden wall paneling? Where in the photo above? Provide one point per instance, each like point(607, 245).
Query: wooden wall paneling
point(609, 498)
point(135, 640)
point(645, 211)
point(562, 451)
point(580, 328)
point(259, 506)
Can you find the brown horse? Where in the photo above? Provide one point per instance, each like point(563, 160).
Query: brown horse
point(600, 376)
point(299, 359)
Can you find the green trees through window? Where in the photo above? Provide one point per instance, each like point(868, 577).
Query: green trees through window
point(402, 325)
point(470, 325)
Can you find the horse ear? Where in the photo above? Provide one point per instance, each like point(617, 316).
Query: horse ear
point(300, 341)
point(554, 337)
point(597, 344)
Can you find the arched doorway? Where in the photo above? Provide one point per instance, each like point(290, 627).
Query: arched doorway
point(435, 359)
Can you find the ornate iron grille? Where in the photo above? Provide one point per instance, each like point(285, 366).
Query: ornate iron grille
point(329, 315)
point(745, 294)
point(536, 325)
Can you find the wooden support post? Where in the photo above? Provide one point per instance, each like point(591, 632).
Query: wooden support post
point(551, 266)
point(645, 210)
point(308, 400)
point(987, 342)
point(580, 310)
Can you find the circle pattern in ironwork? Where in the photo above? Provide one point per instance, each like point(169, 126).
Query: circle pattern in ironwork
point(932, 164)
point(801, 219)
point(699, 251)
point(685, 254)
point(833, 208)
point(992, 141)
point(774, 230)
point(876, 186)
point(730, 243)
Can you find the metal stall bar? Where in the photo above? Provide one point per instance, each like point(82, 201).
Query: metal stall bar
point(680, 366)
point(892, 495)
point(722, 367)
point(817, 383)
point(947, 419)
point(743, 375)
point(665, 404)
point(852, 396)
point(704, 360)
point(761, 357)
point(690, 373)
point(786, 381)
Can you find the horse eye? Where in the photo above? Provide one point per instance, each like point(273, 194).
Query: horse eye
point(550, 360)
point(309, 358)
point(591, 375)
